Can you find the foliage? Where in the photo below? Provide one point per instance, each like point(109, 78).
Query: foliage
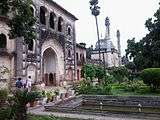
point(145, 53)
point(85, 87)
point(22, 23)
point(4, 7)
point(3, 95)
point(134, 85)
point(151, 77)
point(93, 71)
point(5, 113)
point(18, 103)
point(119, 73)
point(99, 72)
point(89, 71)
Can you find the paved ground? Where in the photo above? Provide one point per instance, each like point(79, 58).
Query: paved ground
point(40, 111)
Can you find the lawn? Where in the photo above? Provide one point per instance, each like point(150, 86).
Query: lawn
point(119, 89)
point(31, 117)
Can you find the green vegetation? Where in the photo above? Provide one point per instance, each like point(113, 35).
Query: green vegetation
point(4, 7)
point(145, 53)
point(118, 81)
point(15, 108)
point(22, 21)
point(151, 77)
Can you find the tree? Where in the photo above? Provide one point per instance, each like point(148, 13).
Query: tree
point(151, 77)
point(22, 23)
point(89, 71)
point(119, 73)
point(4, 7)
point(146, 52)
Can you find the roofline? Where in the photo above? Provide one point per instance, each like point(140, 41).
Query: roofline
point(78, 45)
point(70, 14)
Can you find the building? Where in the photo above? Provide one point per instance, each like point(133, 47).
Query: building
point(80, 58)
point(108, 53)
point(52, 56)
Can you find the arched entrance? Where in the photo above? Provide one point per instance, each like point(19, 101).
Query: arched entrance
point(49, 67)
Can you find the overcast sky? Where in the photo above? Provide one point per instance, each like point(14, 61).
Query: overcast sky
point(128, 16)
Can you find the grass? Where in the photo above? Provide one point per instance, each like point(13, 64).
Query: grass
point(119, 89)
point(33, 117)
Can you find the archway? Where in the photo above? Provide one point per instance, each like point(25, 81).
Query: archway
point(3, 40)
point(49, 66)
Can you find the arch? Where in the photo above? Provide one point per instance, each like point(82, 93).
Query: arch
point(31, 45)
point(43, 11)
point(59, 53)
point(60, 23)
point(69, 31)
point(32, 9)
point(3, 41)
point(69, 54)
point(52, 20)
point(49, 66)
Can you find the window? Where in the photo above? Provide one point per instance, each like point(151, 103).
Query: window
point(32, 11)
point(60, 21)
point(43, 15)
point(52, 20)
point(77, 57)
point(69, 31)
point(3, 41)
point(69, 53)
point(30, 45)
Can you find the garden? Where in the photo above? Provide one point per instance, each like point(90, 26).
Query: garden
point(119, 81)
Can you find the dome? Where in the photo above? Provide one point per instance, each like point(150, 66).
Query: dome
point(105, 44)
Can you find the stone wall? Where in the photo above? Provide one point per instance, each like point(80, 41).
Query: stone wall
point(146, 101)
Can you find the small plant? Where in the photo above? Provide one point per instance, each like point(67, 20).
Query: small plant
point(3, 95)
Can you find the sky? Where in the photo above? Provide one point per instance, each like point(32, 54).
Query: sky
point(128, 16)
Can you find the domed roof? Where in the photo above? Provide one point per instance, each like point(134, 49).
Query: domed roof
point(105, 44)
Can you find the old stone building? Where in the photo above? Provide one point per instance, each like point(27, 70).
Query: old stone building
point(108, 53)
point(80, 58)
point(52, 56)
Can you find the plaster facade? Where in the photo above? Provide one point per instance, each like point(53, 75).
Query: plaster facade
point(51, 57)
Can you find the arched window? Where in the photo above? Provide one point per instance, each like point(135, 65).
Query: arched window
point(43, 15)
point(69, 31)
point(3, 41)
point(60, 21)
point(52, 20)
point(77, 57)
point(30, 45)
point(69, 53)
point(32, 11)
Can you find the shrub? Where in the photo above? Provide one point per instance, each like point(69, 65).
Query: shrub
point(5, 113)
point(151, 77)
point(119, 73)
point(86, 88)
point(134, 85)
point(3, 95)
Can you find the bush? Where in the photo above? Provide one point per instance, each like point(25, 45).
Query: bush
point(151, 77)
point(119, 73)
point(134, 85)
point(86, 88)
point(3, 95)
point(5, 113)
